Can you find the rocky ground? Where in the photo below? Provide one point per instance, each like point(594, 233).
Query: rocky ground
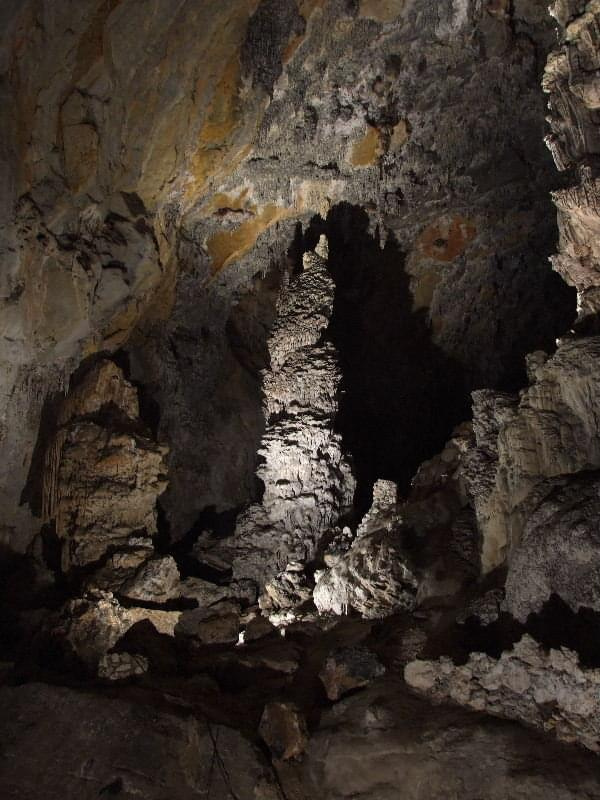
point(299, 428)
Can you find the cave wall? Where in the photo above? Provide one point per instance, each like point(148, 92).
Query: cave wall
point(169, 172)
point(158, 158)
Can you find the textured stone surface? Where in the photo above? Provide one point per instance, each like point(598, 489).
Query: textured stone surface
point(549, 691)
point(406, 551)
point(347, 669)
point(551, 430)
point(571, 81)
point(77, 745)
point(155, 581)
point(307, 479)
point(93, 625)
point(285, 594)
point(120, 666)
point(559, 551)
point(283, 729)
point(155, 163)
point(164, 167)
point(381, 744)
point(102, 472)
point(373, 578)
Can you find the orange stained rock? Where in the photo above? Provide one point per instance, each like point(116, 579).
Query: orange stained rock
point(292, 46)
point(224, 113)
point(400, 135)
point(366, 151)
point(446, 239)
point(381, 10)
point(229, 202)
point(229, 245)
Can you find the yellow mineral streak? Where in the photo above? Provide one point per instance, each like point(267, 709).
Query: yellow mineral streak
point(399, 136)
point(229, 202)
point(381, 10)
point(366, 151)
point(230, 245)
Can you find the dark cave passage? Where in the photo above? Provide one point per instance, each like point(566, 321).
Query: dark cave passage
point(401, 393)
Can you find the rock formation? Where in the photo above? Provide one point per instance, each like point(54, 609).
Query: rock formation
point(102, 475)
point(522, 444)
point(549, 691)
point(299, 429)
point(307, 478)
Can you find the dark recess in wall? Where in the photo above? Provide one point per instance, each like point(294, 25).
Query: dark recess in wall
point(401, 394)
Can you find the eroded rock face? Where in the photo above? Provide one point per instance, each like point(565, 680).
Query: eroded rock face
point(92, 625)
point(165, 165)
point(549, 691)
point(373, 578)
point(409, 551)
point(570, 80)
point(559, 550)
point(103, 473)
point(552, 430)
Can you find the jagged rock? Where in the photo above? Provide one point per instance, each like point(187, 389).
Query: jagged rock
point(283, 728)
point(107, 486)
point(103, 475)
point(120, 666)
point(207, 594)
point(217, 624)
point(93, 625)
point(120, 567)
point(339, 544)
point(101, 479)
point(110, 220)
point(77, 745)
point(349, 668)
point(486, 608)
point(155, 581)
point(571, 81)
point(480, 467)
point(547, 690)
point(307, 478)
point(559, 551)
point(285, 594)
point(552, 430)
point(374, 578)
point(384, 509)
point(103, 387)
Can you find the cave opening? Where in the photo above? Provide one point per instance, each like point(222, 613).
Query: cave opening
point(401, 395)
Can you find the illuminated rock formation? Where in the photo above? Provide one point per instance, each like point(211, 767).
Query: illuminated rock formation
point(307, 478)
